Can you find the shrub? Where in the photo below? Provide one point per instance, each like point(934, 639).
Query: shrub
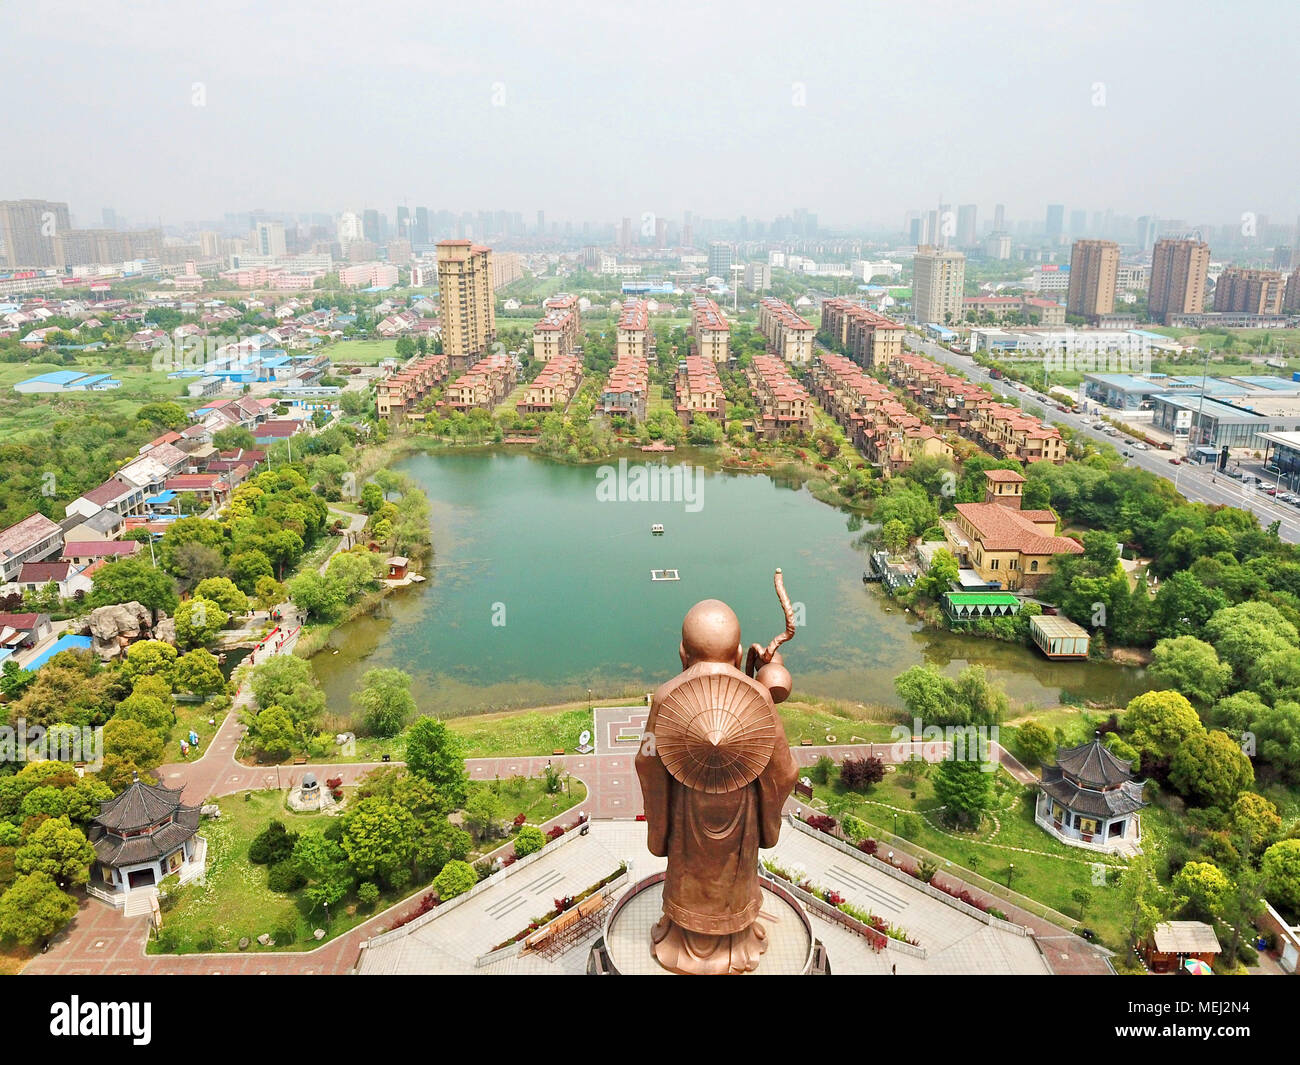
point(528, 840)
point(334, 782)
point(520, 820)
point(821, 770)
point(284, 876)
point(272, 845)
point(868, 846)
point(456, 878)
point(368, 893)
point(909, 826)
point(821, 823)
point(858, 774)
point(554, 832)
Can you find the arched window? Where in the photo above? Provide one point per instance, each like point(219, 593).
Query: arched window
point(1033, 566)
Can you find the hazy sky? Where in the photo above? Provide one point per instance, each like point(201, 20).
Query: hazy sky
point(594, 110)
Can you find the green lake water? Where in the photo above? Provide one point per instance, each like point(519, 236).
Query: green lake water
point(539, 590)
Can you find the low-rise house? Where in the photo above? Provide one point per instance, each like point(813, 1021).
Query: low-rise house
point(85, 552)
point(33, 539)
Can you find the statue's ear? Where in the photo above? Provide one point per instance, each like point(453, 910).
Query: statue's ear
point(681, 653)
point(740, 656)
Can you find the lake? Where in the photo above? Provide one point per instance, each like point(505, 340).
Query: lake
point(540, 589)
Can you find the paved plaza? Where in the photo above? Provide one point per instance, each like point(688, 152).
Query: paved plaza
point(451, 943)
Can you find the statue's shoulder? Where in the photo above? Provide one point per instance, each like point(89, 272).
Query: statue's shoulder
point(722, 677)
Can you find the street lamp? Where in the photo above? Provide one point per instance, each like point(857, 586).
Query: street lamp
point(1011, 868)
point(896, 822)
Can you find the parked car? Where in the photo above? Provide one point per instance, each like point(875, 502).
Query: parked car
point(1175, 461)
point(1141, 446)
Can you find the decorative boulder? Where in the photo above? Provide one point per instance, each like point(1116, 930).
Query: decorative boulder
point(210, 810)
point(112, 628)
point(319, 934)
point(266, 940)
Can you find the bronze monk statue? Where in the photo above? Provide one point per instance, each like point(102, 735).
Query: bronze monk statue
point(715, 771)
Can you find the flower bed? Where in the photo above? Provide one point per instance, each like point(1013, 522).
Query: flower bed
point(876, 929)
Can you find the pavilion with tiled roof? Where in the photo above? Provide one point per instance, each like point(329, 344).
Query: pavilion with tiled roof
point(140, 836)
point(1091, 798)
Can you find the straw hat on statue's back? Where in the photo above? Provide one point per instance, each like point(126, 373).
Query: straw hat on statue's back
point(714, 731)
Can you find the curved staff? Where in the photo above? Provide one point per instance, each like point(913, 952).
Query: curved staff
point(757, 651)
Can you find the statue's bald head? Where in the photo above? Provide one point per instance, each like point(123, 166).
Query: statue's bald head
point(710, 633)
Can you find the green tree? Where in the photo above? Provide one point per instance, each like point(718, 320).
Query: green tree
point(1036, 743)
point(1205, 888)
point(34, 908)
point(455, 879)
point(385, 700)
point(528, 839)
point(224, 592)
point(1210, 767)
point(1255, 820)
point(130, 748)
point(1143, 901)
point(149, 658)
point(435, 753)
point(324, 865)
point(248, 568)
point(483, 810)
point(58, 848)
point(1192, 667)
point(198, 621)
point(894, 535)
point(270, 593)
point(133, 580)
point(1160, 722)
point(317, 595)
point(1281, 868)
point(199, 673)
point(151, 712)
point(964, 788)
point(289, 682)
point(379, 838)
point(275, 733)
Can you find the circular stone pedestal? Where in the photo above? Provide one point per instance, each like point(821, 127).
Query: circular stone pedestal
point(627, 932)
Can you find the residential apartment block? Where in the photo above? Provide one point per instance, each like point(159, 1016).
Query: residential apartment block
point(627, 388)
point(938, 282)
point(1243, 291)
point(635, 339)
point(553, 388)
point(467, 308)
point(869, 339)
point(711, 329)
point(789, 335)
point(397, 393)
point(1094, 270)
point(783, 403)
point(699, 390)
point(1178, 278)
point(559, 331)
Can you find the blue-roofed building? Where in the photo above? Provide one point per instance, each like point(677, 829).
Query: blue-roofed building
point(63, 643)
point(67, 381)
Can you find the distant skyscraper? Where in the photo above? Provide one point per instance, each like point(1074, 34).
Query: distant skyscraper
point(420, 233)
point(938, 284)
point(720, 260)
point(270, 239)
point(966, 225)
point(1147, 226)
point(541, 223)
point(1178, 278)
point(1094, 266)
point(370, 225)
point(1055, 222)
point(350, 228)
point(1000, 218)
point(625, 234)
point(110, 218)
point(28, 229)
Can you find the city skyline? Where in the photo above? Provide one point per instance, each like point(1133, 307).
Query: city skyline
point(665, 116)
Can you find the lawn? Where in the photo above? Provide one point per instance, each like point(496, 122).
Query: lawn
point(527, 732)
point(192, 716)
point(233, 901)
point(834, 722)
point(362, 352)
point(1046, 870)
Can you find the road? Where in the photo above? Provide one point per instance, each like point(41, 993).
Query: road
point(1193, 481)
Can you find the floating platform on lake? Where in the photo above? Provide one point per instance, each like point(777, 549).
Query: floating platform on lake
point(658, 448)
point(665, 575)
point(657, 529)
